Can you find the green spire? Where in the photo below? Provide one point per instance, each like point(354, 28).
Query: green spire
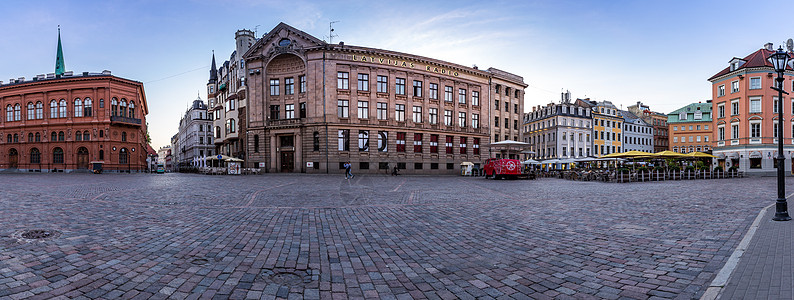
point(59, 66)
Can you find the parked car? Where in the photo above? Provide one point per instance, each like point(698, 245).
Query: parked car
point(499, 168)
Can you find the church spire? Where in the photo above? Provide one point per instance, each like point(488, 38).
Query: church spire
point(59, 65)
point(213, 70)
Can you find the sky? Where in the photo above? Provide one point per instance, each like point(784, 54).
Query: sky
point(658, 52)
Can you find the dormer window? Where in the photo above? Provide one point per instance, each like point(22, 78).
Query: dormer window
point(736, 63)
point(682, 116)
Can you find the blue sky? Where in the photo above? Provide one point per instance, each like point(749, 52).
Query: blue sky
point(657, 52)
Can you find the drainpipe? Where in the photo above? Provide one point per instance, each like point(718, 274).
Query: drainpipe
point(325, 120)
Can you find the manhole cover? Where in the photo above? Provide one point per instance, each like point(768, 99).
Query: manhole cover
point(291, 278)
point(199, 261)
point(37, 234)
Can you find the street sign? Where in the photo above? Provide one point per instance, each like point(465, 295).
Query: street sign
point(220, 157)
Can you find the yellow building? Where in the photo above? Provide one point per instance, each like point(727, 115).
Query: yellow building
point(607, 124)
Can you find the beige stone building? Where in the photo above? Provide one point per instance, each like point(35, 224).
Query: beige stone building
point(313, 106)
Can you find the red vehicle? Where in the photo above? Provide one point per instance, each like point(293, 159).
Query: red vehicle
point(499, 168)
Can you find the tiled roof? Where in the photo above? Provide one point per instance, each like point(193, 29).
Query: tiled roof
point(754, 60)
point(705, 109)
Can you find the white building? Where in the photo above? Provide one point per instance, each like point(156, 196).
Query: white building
point(195, 136)
point(637, 134)
point(559, 130)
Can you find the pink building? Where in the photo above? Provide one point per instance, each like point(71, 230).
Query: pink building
point(745, 116)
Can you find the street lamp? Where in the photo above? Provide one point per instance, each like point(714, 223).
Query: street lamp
point(779, 61)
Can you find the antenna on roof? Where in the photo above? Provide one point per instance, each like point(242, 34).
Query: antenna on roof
point(255, 28)
point(331, 34)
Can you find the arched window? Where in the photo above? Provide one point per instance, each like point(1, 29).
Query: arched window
point(30, 137)
point(62, 109)
point(31, 111)
point(39, 110)
point(10, 138)
point(38, 137)
point(78, 107)
point(35, 156)
point(57, 156)
point(86, 136)
point(87, 109)
point(123, 136)
point(17, 112)
point(101, 133)
point(9, 113)
point(217, 132)
point(132, 109)
point(123, 156)
point(123, 108)
point(78, 136)
point(114, 107)
point(54, 137)
point(53, 109)
point(60, 136)
point(16, 138)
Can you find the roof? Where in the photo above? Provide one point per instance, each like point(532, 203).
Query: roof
point(756, 59)
point(704, 108)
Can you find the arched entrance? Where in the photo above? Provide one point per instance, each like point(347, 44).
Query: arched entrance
point(82, 158)
point(13, 158)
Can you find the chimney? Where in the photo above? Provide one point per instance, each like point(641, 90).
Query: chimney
point(769, 46)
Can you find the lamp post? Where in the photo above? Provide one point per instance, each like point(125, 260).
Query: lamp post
point(779, 61)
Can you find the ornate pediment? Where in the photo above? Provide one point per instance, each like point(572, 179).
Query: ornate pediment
point(283, 39)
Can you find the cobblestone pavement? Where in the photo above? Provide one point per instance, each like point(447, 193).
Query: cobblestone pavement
point(324, 237)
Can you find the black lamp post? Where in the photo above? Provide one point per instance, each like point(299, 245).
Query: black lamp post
point(779, 61)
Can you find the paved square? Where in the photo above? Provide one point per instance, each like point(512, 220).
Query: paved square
point(374, 236)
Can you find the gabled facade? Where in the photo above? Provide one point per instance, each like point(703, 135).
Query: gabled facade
point(607, 128)
point(560, 130)
point(691, 128)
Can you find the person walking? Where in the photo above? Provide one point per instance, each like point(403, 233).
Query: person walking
point(348, 171)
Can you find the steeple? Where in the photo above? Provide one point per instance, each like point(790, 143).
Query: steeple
point(213, 70)
point(59, 65)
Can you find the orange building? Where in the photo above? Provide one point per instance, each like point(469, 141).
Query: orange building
point(690, 128)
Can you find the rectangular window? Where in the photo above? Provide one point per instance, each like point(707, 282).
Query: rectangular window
point(383, 141)
point(344, 140)
point(721, 133)
point(734, 131)
point(417, 114)
point(434, 143)
point(515, 124)
point(363, 82)
point(755, 83)
point(755, 130)
point(496, 104)
point(755, 105)
point(475, 98)
point(417, 143)
point(274, 112)
point(302, 79)
point(721, 110)
point(448, 93)
point(289, 86)
point(515, 108)
point(343, 107)
point(463, 144)
point(363, 140)
point(476, 146)
point(363, 109)
point(383, 84)
point(507, 123)
point(721, 90)
point(734, 107)
point(462, 119)
point(417, 88)
point(399, 86)
point(342, 80)
point(289, 111)
point(448, 117)
point(734, 86)
point(382, 110)
point(461, 96)
point(399, 112)
point(433, 115)
point(475, 121)
point(274, 87)
point(448, 144)
point(496, 121)
point(303, 109)
point(507, 106)
point(434, 91)
point(401, 142)
point(775, 104)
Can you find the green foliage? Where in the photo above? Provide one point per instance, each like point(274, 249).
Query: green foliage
point(623, 170)
point(659, 168)
point(700, 165)
point(690, 168)
point(642, 169)
point(718, 169)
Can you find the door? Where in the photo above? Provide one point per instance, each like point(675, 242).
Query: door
point(287, 161)
point(13, 158)
point(82, 158)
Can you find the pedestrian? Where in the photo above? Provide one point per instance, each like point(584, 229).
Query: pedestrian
point(395, 172)
point(348, 171)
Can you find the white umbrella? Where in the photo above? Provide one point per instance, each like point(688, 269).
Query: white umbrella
point(530, 162)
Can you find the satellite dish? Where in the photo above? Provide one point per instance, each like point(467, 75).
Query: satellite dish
point(790, 45)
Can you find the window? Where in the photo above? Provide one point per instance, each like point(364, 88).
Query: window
point(274, 87)
point(475, 121)
point(775, 104)
point(35, 156)
point(417, 114)
point(734, 86)
point(87, 109)
point(289, 86)
point(232, 126)
point(344, 139)
point(383, 84)
point(476, 146)
point(79, 137)
point(123, 156)
point(78, 107)
point(40, 109)
point(734, 131)
point(461, 96)
point(123, 137)
point(16, 138)
point(401, 142)
point(448, 93)
point(434, 91)
point(383, 141)
point(343, 108)
point(721, 133)
point(515, 108)
point(507, 123)
point(302, 109)
point(433, 143)
point(448, 144)
point(475, 98)
point(122, 108)
point(496, 104)
point(363, 109)
point(515, 124)
point(462, 119)
point(289, 111)
point(721, 110)
point(302, 79)
point(315, 141)
point(507, 106)
point(448, 117)
point(399, 86)
point(755, 83)
point(755, 105)
point(57, 155)
point(417, 88)
point(433, 115)
point(274, 112)
point(38, 137)
point(496, 121)
point(342, 80)
point(31, 111)
point(132, 109)
point(61, 136)
point(463, 142)
point(721, 90)
point(734, 107)
point(9, 113)
point(363, 82)
point(18, 111)
point(417, 143)
point(755, 130)
point(399, 112)
point(382, 110)
point(363, 140)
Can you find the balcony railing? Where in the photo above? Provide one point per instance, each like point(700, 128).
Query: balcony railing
point(125, 120)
